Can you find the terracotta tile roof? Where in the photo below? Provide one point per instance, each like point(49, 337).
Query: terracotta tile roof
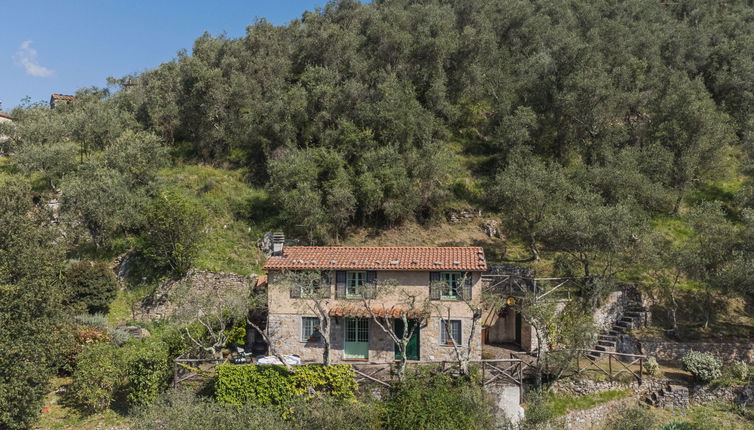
point(393, 258)
point(362, 312)
point(5, 115)
point(63, 97)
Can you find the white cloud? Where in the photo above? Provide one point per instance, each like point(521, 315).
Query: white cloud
point(27, 57)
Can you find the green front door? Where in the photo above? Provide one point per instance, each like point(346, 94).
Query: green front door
point(357, 339)
point(412, 349)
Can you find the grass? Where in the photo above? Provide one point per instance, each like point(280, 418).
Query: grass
point(120, 308)
point(722, 416)
point(57, 415)
point(561, 404)
point(238, 215)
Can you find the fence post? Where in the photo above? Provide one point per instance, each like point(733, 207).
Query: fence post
point(610, 365)
point(483, 374)
point(641, 369)
point(521, 380)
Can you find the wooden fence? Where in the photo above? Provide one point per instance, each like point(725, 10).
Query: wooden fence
point(582, 362)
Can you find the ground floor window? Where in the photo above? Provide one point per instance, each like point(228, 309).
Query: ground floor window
point(310, 329)
point(450, 331)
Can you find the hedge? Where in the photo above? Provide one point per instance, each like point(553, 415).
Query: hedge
point(274, 384)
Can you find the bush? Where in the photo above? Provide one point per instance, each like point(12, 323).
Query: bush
point(539, 410)
point(651, 366)
point(119, 336)
point(147, 369)
point(704, 366)
point(172, 231)
point(632, 419)
point(275, 385)
point(740, 370)
point(182, 410)
point(97, 320)
point(437, 402)
point(91, 285)
point(96, 377)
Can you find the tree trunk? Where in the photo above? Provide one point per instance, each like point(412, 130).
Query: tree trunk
point(533, 246)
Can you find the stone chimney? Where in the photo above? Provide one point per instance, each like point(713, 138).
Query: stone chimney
point(278, 240)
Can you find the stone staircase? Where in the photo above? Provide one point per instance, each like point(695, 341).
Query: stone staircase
point(634, 316)
point(669, 396)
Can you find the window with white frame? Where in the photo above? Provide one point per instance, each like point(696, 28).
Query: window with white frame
point(310, 329)
point(451, 289)
point(450, 330)
point(354, 282)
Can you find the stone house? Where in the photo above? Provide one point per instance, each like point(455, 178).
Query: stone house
point(352, 280)
point(4, 119)
point(57, 100)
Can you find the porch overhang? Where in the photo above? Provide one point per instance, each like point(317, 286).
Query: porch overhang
point(387, 313)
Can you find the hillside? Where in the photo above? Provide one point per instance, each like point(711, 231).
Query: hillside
point(607, 142)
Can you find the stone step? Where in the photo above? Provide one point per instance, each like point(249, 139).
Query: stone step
point(607, 343)
point(633, 314)
point(601, 348)
point(616, 331)
point(627, 319)
point(623, 324)
point(607, 337)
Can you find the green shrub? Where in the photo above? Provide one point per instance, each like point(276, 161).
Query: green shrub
point(740, 370)
point(704, 366)
point(275, 385)
point(119, 336)
point(651, 366)
point(632, 419)
point(91, 285)
point(96, 377)
point(147, 369)
point(97, 320)
point(676, 425)
point(539, 410)
point(437, 402)
point(182, 410)
point(173, 228)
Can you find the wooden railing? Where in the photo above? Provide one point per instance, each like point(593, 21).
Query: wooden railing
point(610, 364)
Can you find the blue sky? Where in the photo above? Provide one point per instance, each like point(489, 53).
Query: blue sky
point(59, 46)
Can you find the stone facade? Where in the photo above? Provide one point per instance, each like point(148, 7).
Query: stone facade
point(595, 418)
point(674, 351)
point(285, 313)
point(285, 334)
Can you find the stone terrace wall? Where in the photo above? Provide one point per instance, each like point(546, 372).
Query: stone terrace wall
point(674, 351)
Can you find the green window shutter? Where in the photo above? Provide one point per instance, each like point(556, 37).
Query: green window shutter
point(340, 284)
point(434, 289)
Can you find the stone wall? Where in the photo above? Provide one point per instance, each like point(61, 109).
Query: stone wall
point(607, 314)
point(595, 418)
point(285, 334)
point(674, 351)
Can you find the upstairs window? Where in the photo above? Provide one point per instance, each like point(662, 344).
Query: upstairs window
point(354, 284)
point(452, 288)
point(450, 285)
